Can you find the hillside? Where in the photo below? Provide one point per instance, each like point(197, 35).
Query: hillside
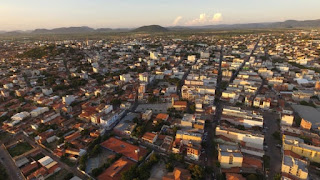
point(64, 30)
point(151, 28)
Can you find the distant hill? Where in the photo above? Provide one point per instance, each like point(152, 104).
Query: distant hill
point(285, 24)
point(157, 28)
point(151, 28)
point(64, 30)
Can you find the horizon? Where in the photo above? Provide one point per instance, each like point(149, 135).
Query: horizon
point(186, 26)
point(33, 14)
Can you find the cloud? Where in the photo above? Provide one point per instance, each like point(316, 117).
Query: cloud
point(177, 20)
point(205, 19)
point(217, 17)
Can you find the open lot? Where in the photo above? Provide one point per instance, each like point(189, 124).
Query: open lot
point(99, 160)
point(19, 148)
point(158, 171)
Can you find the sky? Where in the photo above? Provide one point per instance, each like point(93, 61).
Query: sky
point(32, 14)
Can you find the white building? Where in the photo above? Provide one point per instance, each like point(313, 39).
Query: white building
point(287, 120)
point(68, 99)
point(20, 116)
point(46, 91)
point(38, 111)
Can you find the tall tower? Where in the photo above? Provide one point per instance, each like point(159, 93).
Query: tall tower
point(317, 86)
point(172, 101)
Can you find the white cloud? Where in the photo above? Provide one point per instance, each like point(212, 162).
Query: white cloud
point(205, 19)
point(217, 17)
point(177, 20)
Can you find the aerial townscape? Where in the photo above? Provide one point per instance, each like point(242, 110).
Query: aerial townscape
point(198, 100)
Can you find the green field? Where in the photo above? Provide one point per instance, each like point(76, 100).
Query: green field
point(20, 148)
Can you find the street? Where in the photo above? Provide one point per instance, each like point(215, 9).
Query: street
point(271, 124)
point(12, 170)
point(73, 170)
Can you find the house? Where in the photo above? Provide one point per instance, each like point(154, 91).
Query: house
point(287, 120)
point(229, 156)
point(179, 105)
point(298, 146)
point(150, 137)
point(177, 174)
point(146, 116)
point(68, 99)
point(193, 151)
point(305, 124)
point(132, 152)
point(184, 135)
point(116, 169)
point(294, 167)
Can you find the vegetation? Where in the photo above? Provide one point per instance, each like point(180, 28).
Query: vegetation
point(20, 148)
point(277, 176)
point(36, 53)
point(3, 172)
point(151, 28)
point(297, 120)
point(197, 172)
point(305, 103)
point(66, 160)
point(96, 172)
point(141, 172)
point(83, 162)
point(266, 161)
point(277, 136)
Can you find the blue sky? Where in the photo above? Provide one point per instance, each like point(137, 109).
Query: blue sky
point(31, 14)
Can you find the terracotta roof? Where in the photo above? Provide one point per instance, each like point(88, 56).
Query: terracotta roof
point(180, 103)
point(178, 174)
point(251, 162)
point(73, 136)
point(149, 136)
point(233, 176)
point(115, 170)
point(162, 116)
point(25, 170)
point(290, 153)
point(127, 149)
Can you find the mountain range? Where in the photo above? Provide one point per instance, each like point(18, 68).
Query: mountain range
point(157, 28)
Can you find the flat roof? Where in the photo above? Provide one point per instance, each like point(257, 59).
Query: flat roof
point(308, 113)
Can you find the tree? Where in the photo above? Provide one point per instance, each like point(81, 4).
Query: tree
point(196, 171)
point(85, 132)
point(169, 167)
point(252, 177)
point(96, 150)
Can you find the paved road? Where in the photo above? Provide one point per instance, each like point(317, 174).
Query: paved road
point(73, 170)
point(12, 170)
point(270, 120)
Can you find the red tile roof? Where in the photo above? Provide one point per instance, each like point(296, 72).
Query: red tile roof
point(115, 170)
point(127, 149)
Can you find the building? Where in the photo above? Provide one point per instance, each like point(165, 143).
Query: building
point(150, 137)
point(146, 116)
point(193, 151)
point(116, 169)
point(294, 167)
point(179, 105)
point(305, 124)
point(68, 99)
point(298, 146)
point(177, 174)
point(132, 152)
point(196, 137)
point(287, 120)
point(229, 156)
point(142, 88)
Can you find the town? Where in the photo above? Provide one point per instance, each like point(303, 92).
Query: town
point(230, 105)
